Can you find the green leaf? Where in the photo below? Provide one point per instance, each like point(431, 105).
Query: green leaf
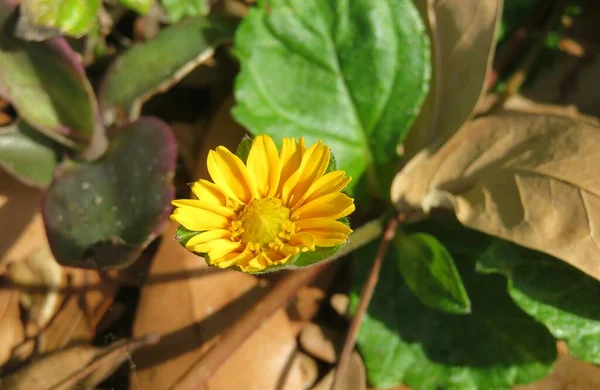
point(351, 73)
point(401, 340)
point(553, 292)
point(178, 9)
point(155, 65)
point(429, 271)
point(139, 6)
point(27, 154)
point(45, 18)
point(103, 214)
point(46, 84)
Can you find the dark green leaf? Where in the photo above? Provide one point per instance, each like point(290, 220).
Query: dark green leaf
point(429, 271)
point(178, 9)
point(46, 84)
point(351, 73)
point(155, 65)
point(102, 214)
point(401, 340)
point(40, 19)
point(28, 155)
point(553, 292)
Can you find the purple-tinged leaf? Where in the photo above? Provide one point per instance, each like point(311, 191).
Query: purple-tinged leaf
point(28, 155)
point(102, 214)
point(156, 65)
point(46, 84)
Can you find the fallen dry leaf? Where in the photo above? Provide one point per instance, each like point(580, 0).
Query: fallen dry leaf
point(356, 378)
point(568, 374)
point(22, 228)
point(463, 39)
point(39, 278)
point(191, 312)
point(80, 311)
point(305, 305)
point(340, 303)
point(321, 342)
point(11, 328)
point(530, 179)
point(81, 366)
point(308, 369)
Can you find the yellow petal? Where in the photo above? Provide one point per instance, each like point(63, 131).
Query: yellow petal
point(218, 248)
point(227, 260)
point(322, 224)
point(291, 157)
point(206, 237)
point(329, 239)
point(330, 183)
point(333, 206)
point(202, 204)
point(263, 165)
point(230, 175)
point(196, 219)
point(209, 192)
point(303, 241)
point(313, 165)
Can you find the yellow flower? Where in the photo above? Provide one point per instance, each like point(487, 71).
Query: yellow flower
point(263, 213)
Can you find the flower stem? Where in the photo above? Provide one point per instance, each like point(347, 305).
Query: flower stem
point(365, 298)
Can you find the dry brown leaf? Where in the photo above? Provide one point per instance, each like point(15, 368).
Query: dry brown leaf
point(80, 311)
point(530, 179)
point(191, 311)
point(321, 342)
point(305, 305)
point(568, 374)
point(340, 303)
point(463, 40)
point(76, 367)
point(39, 277)
point(356, 378)
point(22, 228)
point(308, 369)
point(11, 328)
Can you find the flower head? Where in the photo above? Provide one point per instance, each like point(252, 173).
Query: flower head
point(264, 213)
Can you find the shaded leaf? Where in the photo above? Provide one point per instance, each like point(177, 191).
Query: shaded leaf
point(178, 9)
point(530, 179)
point(363, 68)
point(401, 340)
point(463, 38)
point(554, 293)
point(46, 84)
point(429, 271)
point(42, 19)
point(164, 61)
point(102, 214)
point(28, 155)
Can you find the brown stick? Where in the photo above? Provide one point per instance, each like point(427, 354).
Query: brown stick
point(203, 369)
point(365, 298)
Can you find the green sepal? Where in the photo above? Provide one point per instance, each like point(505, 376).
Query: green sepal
point(243, 149)
point(183, 235)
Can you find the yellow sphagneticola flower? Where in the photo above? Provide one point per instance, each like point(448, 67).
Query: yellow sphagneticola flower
point(262, 214)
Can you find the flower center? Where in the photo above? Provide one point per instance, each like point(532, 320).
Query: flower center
point(264, 223)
